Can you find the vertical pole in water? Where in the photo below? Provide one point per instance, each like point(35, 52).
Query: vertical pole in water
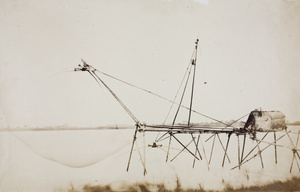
point(169, 147)
point(292, 162)
point(204, 153)
point(259, 152)
point(133, 141)
point(239, 158)
point(145, 171)
point(223, 148)
point(275, 147)
point(294, 151)
point(225, 153)
point(243, 147)
point(197, 150)
point(196, 145)
point(212, 149)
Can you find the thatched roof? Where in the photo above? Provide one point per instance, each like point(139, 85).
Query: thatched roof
point(265, 121)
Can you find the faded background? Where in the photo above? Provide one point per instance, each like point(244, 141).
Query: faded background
point(248, 55)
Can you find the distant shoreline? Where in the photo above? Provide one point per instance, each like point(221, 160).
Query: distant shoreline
point(293, 123)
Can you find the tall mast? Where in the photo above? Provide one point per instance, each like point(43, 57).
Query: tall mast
point(193, 83)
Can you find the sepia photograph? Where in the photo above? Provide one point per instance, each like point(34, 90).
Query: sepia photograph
point(149, 96)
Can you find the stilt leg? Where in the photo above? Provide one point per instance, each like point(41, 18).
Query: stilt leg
point(197, 149)
point(297, 163)
point(292, 162)
point(196, 145)
point(244, 142)
point(141, 158)
point(259, 152)
point(185, 147)
point(210, 137)
point(239, 160)
point(212, 148)
point(275, 147)
point(294, 150)
point(168, 149)
point(223, 148)
point(144, 153)
point(254, 147)
point(226, 149)
point(243, 162)
point(204, 153)
point(134, 138)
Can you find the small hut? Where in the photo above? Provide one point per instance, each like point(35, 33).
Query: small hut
point(263, 121)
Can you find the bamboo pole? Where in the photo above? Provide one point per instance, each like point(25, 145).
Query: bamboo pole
point(244, 142)
point(212, 148)
point(141, 158)
point(259, 152)
point(144, 153)
point(223, 147)
point(226, 149)
point(275, 147)
point(133, 141)
point(196, 145)
point(292, 162)
point(184, 146)
point(204, 154)
point(238, 141)
point(168, 148)
point(181, 151)
point(243, 162)
point(255, 146)
point(197, 149)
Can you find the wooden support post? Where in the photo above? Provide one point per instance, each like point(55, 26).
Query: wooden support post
point(212, 148)
point(239, 160)
point(243, 162)
point(294, 153)
point(275, 147)
point(297, 164)
point(204, 154)
point(168, 148)
point(259, 152)
point(184, 146)
point(141, 158)
point(254, 147)
point(196, 145)
point(292, 162)
point(133, 141)
point(145, 171)
point(210, 137)
point(197, 149)
point(223, 148)
point(244, 142)
point(226, 149)
point(294, 147)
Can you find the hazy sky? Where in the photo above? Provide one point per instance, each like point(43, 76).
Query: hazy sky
point(249, 58)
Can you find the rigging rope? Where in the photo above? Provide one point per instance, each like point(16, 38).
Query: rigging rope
point(164, 98)
point(116, 97)
point(188, 77)
point(102, 89)
point(173, 102)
